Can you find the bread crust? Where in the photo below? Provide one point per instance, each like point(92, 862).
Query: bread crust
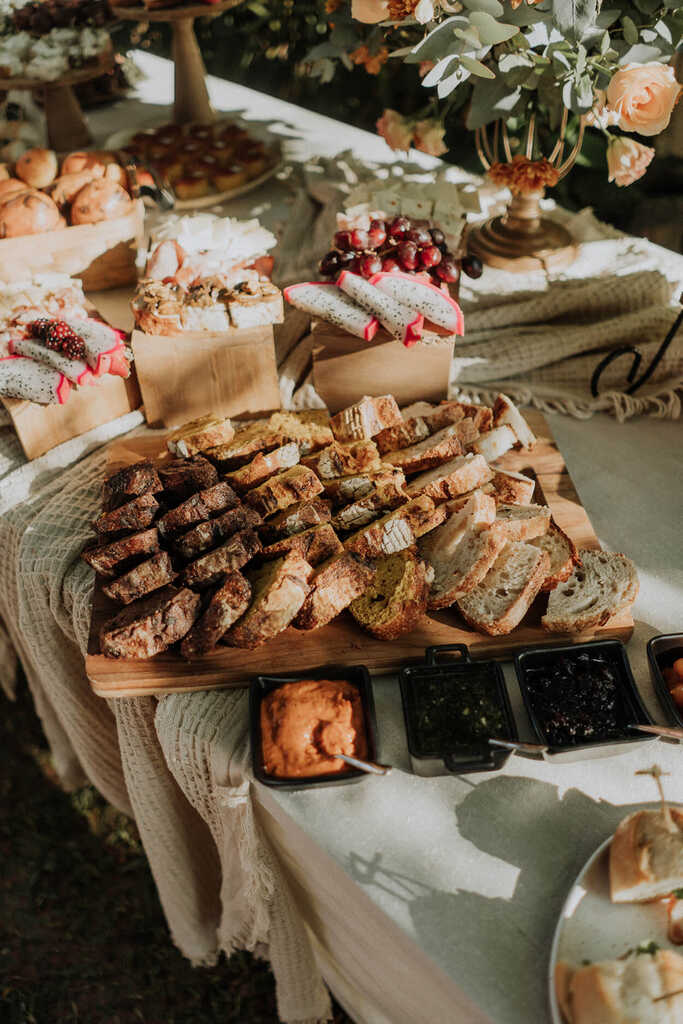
point(262, 467)
point(137, 514)
point(130, 482)
point(183, 477)
point(632, 873)
point(298, 517)
point(246, 443)
point(581, 572)
point(433, 451)
point(226, 606)
point(199, 435)
point(198, 507)
point(152, 574)
point(403, 435)
point(366, 418)
point(279, 590)
point(232, 555)
point(359, 513)
point(524, 522)
point(458, 476)
point(343, 459)
point(516, 611)
point(558, 544)
point(149, 626)
point(334, 586)
point(447, 587)
point(315, 545)
point(209, 532)
point(346, 489)
point(397, 529)
point(106, 558)
point(295, 484)
point(404, 610)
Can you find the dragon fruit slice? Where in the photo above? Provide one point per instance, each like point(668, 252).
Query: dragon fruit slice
point(21, 377)
point(103, 347)
point(75, 370)
point(120, 361)
point(323, 299)
point(401, 321)
point(435, 305)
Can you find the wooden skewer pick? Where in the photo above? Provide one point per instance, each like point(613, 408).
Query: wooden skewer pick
point(656, 772)
point(668, 995)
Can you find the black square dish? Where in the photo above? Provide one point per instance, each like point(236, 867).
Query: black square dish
point(581, 699)
point(359, 676)
point(440, 700)
point(662, 651)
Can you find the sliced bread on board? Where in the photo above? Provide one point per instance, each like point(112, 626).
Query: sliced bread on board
point(224, 609)
point(457, 476)
point(396, 599)
point(457, 573)
point(278, 590)
point(524, 522)
point(433, 451)
point(501, 600)
point(599, 587)
point(334, 586)
point(563, 555)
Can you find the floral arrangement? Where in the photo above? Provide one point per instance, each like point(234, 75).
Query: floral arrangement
point(515, 60)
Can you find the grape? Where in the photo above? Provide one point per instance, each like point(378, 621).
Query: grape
point(448, 270)
point(389, 265)
point(407, 255)
point(359, 239)
point(420, 236)
point(430, 256)
point(377, 235)
point(330, 264)
point(399, 227)
point(370, 265)
point(438, 237)
point(346, 259)
point(472, 266)
point(342, 240)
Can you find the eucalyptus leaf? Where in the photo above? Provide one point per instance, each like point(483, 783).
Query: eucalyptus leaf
point(630, 30)
point(469, 35)
point(573, 17)
point(604, 43)
point(492, 7)
point(512, 61)
point(436, 74)
point(491, 99)
point(434, 44)
point(492, 32)
point(476, 67)
point(664, 31)
point(641, 54)
point(447, 85)
point(578, 94)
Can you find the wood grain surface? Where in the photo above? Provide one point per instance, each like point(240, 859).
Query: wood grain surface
point(343, 642)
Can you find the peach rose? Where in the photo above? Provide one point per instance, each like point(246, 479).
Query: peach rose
point(644, 96)
point(369, 11)
point(395, 130)
point(429, 138)
point(627, 160)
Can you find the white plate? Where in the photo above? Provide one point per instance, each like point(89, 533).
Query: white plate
point(591, 927)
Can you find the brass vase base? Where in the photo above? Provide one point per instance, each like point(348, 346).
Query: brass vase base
point(522, 240)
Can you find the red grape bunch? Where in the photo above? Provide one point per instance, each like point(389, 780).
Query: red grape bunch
point(410, 247)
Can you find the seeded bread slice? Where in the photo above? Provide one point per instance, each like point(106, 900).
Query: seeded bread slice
point(195, 509)
point(204, 535)
point(343, 459)
point(149, 575)
point(366, 418)
point(563, 555)
point(433, 451)
point(227, 604)
point(149, 626)
point(106, 558)
point(137, 514)
point(458, 573)
point(599, 587)
point(351, 488)
point(396, 600)
point(296, 484)
point(232, 555)
point(512, 488)
point(495, 443)
point(278, 591)
point(198, 435)
point(459, 475)
point(506, 412)
point(500, 602)
point(335, 585)
point(129, 482)
point(183, 477)
point(396, 530)
point(524, 522)
point(263, 466)
point(315, 545)
point(295, 519)
point(359, 513)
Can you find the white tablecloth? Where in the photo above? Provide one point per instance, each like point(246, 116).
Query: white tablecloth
point(423, 900)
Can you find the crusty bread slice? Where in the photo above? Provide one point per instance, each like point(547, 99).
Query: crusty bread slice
point(334, 586)
point(197, 508)
point(524, 522)
point(361, 512)
point(137, 514)
point(410, 432)
point(512, 488)
point(150, 575)
point(198, 435)
point(501, 600)
point(396, 599)
point(254, 438)
point(278, 589)
point(396, 530)
point(182, 477)
point(296, 484)
point(227, 604)
point(350, 488)
point(479, 511)
point(506, 412)
point(433, 451)
point(149, 626)
point(563, 555)
point(339, 459)
point(310, 428)
point(295, 519)
point(366, 418)
point(645, 857)
point(208, 533)
point(315, 545)
point(262, 467)
point(459, 475)
point(623, 991)
point(130, 482)
point(599, 587)
point(456, 574)
point(107, 559)
point(232, 555)
point(495, 443)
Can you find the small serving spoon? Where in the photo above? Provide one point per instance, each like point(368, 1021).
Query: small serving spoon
point(371, 767)
point(670, 732)
point(532, 749)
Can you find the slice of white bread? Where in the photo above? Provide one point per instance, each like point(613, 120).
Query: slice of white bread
point(396, 530)
point(599, 587)
point(506, 412)
point(524, 522)
point(645, 857)
point(502, 599)
point(624, 991)
point(495, 443)
point(479, 511)
point(457, 476)
point(512, 488)
point(563, 555)
point(457, 573)
point(396, 599)
point(433, 451)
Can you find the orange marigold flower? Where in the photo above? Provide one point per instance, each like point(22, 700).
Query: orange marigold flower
point(372, 62)
point(522, 175)
point(400, 9)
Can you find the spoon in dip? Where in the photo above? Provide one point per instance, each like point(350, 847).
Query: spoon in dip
point(371, 767)
point(530, 749)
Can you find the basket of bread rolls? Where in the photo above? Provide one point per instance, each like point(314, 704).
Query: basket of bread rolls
point(85, 209)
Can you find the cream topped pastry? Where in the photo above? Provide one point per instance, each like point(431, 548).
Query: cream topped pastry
point(304, 724)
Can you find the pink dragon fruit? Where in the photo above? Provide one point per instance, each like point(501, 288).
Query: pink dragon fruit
point(323, 299)
point(399, 320)
point(104, 348)
point(436, 305)
point(74, 370)
point(25, 378)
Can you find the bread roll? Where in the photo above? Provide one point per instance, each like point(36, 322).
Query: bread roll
point(100, 200)
point(623, 991)
point(12, 187)
point(645, 857)
point(84, 161)
point(67, 186)
point(4, 172)
point(29, 213)
point(37, 167)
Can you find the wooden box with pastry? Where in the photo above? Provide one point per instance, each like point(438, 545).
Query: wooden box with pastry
point(204, 314)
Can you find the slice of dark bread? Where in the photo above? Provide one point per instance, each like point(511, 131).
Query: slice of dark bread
point(396, 600)
point(278, 589)
point(225, 607)
point(149, 575)
point(149, 626)
point(106, 558)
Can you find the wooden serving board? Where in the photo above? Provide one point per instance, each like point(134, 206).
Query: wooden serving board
point(343, 642)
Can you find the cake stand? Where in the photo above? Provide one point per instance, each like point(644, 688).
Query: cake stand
point(191, 96)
